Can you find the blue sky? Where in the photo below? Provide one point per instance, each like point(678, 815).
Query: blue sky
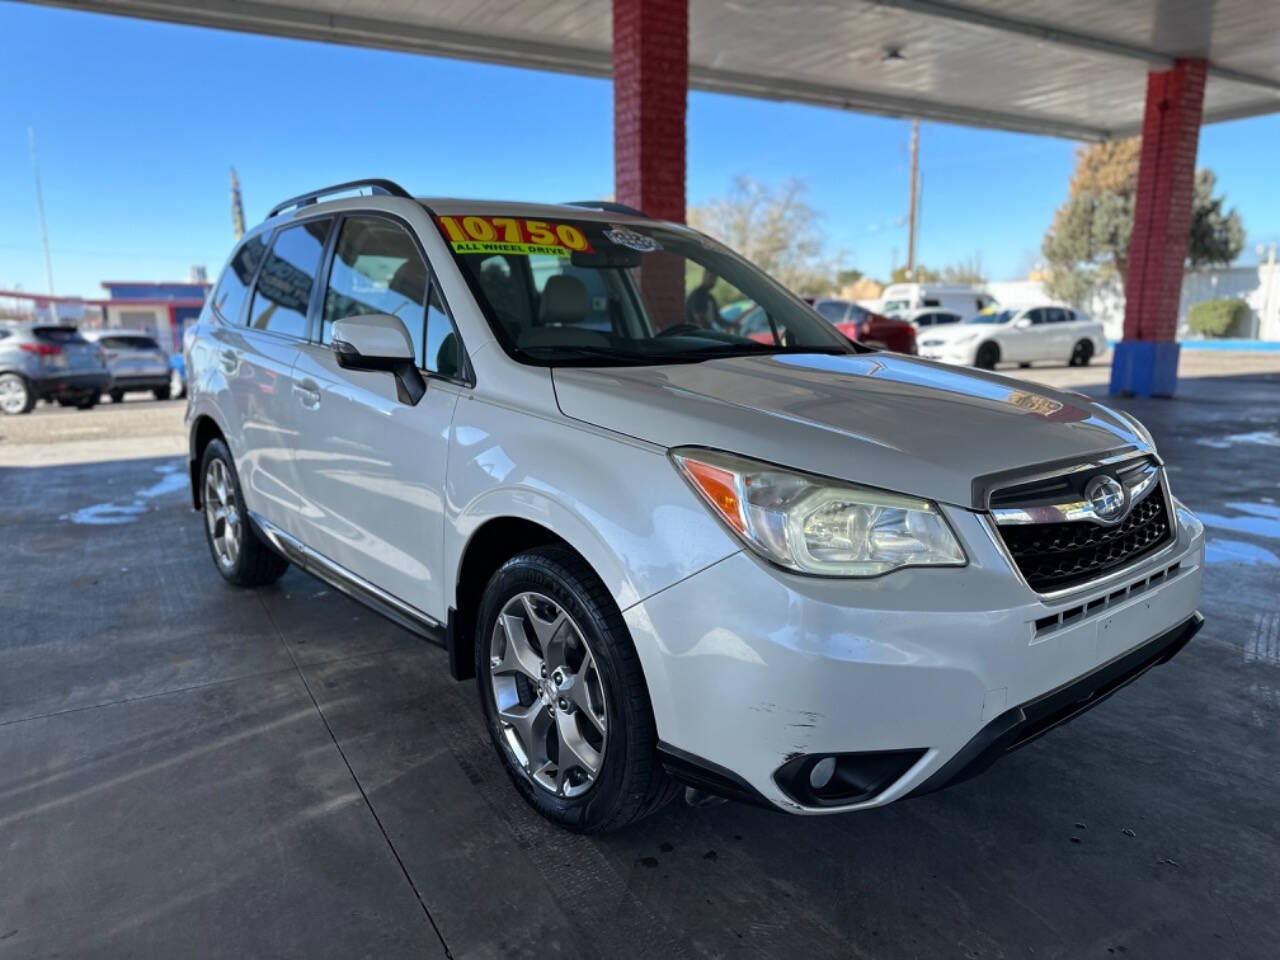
point(138, 122)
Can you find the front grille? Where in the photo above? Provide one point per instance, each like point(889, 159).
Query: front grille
point(1055, 556)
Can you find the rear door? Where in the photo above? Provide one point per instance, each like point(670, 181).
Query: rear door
point(372, 467)
point(257, 355)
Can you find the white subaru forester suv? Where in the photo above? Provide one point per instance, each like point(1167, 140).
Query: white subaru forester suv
point(787, 569)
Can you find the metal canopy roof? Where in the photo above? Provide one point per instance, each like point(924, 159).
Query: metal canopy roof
point(1072, 68)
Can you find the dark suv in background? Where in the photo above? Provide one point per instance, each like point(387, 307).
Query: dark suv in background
point(49, 362)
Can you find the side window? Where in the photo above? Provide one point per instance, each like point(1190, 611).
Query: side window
point(233, 286)
point(931, 302)
point(443, 351)
point(376, 269)
point(1057, 315)
point(1036, 316)
point(924, 320)
point(284, 287)
point(948, 318)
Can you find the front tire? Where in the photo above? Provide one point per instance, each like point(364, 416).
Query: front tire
point(988, 356)
point(15, 394)
point(117, 396)
point(564, 697)
point(160, 393)
point(238, 553)
point(1081, 354)
point(87, 402)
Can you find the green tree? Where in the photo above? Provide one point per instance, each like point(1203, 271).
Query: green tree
point(1087, 245)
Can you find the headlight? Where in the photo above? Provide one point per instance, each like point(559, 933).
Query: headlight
point(813, 525)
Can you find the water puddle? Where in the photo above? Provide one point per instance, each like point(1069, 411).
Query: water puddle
point(172, 480)
point(1239, 552)
point(1265, 438)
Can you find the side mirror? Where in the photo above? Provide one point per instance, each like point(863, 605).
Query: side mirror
point(1022, 323)
point(379, 341)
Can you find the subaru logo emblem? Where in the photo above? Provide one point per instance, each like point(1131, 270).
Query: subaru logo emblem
point(1108, 498)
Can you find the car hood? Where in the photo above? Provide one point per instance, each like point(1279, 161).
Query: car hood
point(879, 419)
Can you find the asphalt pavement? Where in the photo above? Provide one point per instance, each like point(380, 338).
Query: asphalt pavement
point(192, 770)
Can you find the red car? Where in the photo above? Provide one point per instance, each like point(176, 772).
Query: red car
point(855, 322)
point(859, 323)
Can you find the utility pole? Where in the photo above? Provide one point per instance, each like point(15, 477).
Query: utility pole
point(911, 211)
point(44, 232)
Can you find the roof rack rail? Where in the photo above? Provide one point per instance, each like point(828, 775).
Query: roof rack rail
point(378, 187)
point(608, 206)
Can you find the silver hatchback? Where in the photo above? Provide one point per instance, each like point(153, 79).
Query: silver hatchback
point(49, 362)
point(136, 361)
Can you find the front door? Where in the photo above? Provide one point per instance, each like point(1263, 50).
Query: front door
point(372, 467)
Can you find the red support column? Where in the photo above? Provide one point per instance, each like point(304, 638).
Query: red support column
point(650, 94)
point(1146, 361)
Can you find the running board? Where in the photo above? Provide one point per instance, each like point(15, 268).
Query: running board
point(343, 580)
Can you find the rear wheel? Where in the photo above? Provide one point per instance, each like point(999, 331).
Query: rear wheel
point(1081, 354)
point(240, 556)
point(160, 393)
point(87, 402)
point(15, 394)
point(564, 697)
point(988, 356)
point(117, 396)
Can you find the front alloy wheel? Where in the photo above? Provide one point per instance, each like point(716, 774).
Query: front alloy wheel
point(563, 694)
point(547, 695)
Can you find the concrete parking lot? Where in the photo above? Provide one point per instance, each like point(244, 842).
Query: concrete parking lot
point(187, 769)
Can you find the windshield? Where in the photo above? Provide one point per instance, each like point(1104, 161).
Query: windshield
point(895, 306)
point(595, 293)
point(1001, 316)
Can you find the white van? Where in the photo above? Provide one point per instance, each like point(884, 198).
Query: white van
point(901, 298)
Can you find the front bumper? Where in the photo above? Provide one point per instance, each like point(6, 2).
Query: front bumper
point(949, 353)
point(750, 668)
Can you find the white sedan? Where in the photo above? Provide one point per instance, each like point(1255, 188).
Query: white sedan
point(1019, 335)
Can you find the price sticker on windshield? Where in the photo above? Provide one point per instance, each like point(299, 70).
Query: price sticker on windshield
point(512, 235)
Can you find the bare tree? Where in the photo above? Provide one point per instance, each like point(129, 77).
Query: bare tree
point(773, 227)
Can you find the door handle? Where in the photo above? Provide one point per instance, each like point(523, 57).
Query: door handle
point(227, 358)
point(308, 393)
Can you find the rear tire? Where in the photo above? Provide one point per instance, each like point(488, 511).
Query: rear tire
point(579, 684)
point(1081, 354)
point(15, 394)
point(239, 554)
point(117, 396)
point(160, 393)
point(87, 403)
point(988, 356)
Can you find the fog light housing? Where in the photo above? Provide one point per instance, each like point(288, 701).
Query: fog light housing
point(835, 779)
